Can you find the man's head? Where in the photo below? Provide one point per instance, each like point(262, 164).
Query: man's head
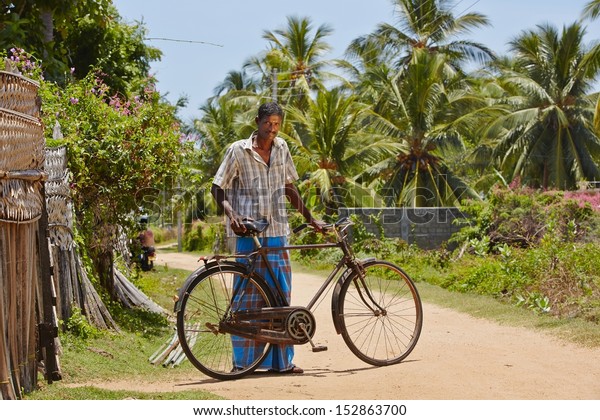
point(268, 109)
point(268, 121)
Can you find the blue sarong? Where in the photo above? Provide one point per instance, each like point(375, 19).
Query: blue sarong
point(245, 351)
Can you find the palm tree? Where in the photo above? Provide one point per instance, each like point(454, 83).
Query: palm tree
point(429, 107)
point(329, 145)
point(592, 9)
point(427, 25)
point(295, 52)
point(412, 75)
point(369, 70)
point(236, 81)
point(547, 138)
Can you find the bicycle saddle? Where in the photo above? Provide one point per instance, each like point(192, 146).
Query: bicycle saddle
point(254, 227)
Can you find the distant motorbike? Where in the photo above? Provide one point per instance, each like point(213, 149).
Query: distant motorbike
point(147, 257)
point(145, 240)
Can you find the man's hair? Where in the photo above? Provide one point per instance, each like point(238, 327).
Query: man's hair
point(268, 109)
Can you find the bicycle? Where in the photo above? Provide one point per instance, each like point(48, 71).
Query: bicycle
point(375, 307)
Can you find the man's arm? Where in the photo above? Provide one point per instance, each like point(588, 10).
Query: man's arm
point(293, 195)
point(219, 194)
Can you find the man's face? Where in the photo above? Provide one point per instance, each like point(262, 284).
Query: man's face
point(268, 127)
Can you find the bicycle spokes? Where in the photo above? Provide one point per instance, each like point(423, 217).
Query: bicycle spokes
point(380, 313)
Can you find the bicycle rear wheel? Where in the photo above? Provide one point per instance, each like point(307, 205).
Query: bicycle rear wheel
point(207, 302)
point(381, 318)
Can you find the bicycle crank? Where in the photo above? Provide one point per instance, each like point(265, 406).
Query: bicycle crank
point(301, 326)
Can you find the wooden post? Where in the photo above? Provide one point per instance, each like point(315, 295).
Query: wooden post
point(48, 328)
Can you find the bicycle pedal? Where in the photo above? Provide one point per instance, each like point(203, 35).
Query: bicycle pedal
point(316, 349)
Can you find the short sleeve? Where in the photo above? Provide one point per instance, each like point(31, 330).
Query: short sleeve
point(227, 171)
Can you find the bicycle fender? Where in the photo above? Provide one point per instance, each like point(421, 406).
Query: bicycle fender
point(335, 296)
point(208, 266)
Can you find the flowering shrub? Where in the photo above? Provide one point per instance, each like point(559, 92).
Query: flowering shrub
point(585, 198)
point(27, 65)
point(121, 149)
point(117, 147)
point(120, 152)
point(521, 217)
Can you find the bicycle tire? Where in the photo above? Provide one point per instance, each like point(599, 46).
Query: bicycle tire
point(388, 337)
point(203, 305)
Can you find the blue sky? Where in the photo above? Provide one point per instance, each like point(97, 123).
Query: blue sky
point(230, 31)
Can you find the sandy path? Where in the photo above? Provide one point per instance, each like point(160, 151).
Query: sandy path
point(457, 357)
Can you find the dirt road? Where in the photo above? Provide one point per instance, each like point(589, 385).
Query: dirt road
point(458, 357)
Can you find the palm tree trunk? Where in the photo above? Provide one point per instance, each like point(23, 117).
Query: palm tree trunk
point(47, 19)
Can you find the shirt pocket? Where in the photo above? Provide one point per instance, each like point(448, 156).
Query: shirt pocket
point(277, 176)
point(249, 196)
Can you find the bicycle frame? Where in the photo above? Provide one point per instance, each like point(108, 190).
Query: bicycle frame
point(348, 260)
point(347, 265)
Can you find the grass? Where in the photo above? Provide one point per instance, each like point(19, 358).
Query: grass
point(107, 356)
point(94, 393)
point(110, 356)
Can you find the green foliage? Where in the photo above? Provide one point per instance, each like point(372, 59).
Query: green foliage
point(139, 321)
point(534, 301)
point(367, 243)
point(546, 138)
point(78, 326)
point(540, 252)
point(117, 49)
point(480, 246)
point(86, 34)
point(119, 151)
point(201, 236)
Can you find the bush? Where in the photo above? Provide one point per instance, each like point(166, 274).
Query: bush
point(201, 236)
point(535, 249)
point(521, 217)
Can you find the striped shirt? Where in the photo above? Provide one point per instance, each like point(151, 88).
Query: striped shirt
point(254, 188)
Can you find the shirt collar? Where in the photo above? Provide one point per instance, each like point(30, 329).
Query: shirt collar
point(248, 143)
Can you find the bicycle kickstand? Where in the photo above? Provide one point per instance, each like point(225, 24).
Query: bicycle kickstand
point(315, 349)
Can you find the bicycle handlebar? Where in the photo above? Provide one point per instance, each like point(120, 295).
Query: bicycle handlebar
point(300, 228)
point(343, 221)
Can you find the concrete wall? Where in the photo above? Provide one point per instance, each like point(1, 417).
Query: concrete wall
point(427, 227)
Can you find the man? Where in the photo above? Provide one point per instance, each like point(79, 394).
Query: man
point(252, 181)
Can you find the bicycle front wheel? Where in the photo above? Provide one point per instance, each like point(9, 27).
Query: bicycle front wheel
point(208, 301)
point(381, 314)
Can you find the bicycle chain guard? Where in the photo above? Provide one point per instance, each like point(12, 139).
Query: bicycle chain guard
point(299, 323)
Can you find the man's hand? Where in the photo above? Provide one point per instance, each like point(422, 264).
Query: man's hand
point(236, 224)
point(318, 225)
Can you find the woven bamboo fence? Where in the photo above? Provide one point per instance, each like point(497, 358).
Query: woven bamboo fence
point(19, 94)
point(24, 295)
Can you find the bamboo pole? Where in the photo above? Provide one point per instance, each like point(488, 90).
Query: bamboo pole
point(29, 355)
point(13, 337)
point(94, 307)
point(6, 389)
